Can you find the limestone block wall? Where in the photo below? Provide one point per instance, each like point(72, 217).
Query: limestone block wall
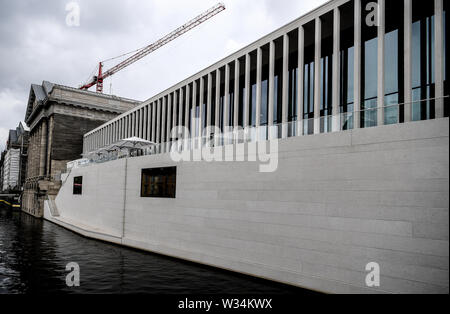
point(336, 203)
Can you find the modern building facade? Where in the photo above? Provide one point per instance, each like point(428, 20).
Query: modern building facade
point(58, 116)
point(359, 105)
point(362, 64)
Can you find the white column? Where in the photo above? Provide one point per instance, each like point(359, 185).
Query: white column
point(317, 68)
point(357, 66)
point(271, 87)
point(439, 57)
point(236, 92)
point(336, 124)
point(285, 90)
point(408, 59)
point(258, 87)
point(247, 90)
point(381, 32)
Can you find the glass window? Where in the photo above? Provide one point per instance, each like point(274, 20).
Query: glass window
point(182, 106)
point(241, 91)
point(264, 118)
point(205, 102)
point(213, 100)
point(347, 57)
point(231, 96)
point(190, 104)
point(423, 60)
point(159, 182)
point(326, 73)
point(393, 63)
point(308, 80)
point(77, 185)
point(221, 98)
point(292, 83)
point(369, 69)
point(278, 84)
point(252, 95)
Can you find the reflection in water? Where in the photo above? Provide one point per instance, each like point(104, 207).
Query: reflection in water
point(34, 254)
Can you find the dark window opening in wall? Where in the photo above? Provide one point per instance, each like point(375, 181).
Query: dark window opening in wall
point(394, 63)
point(159, 182)
point(326, 73)
point(369, 70)
point(221, 98)
point(308, 80)
point(293, 79)
point(252, 94)
point(264, 118)
point(278, 84)
point(205, 102)
point(446, 63)
point(347, 62)
point(423, 80)
point(231, 96)
point(77, 185)
point(241, 91)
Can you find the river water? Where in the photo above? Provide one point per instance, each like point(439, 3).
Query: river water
point(34, 254)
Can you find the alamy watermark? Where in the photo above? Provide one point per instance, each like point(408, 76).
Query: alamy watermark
point(73, 278)
point(73, 15)
point(373, 277)
point(373, 17)
point(216, 146)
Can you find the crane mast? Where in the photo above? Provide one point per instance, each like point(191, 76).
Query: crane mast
point(98, 80)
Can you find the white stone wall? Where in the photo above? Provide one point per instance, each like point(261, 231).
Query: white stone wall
point(337, 202)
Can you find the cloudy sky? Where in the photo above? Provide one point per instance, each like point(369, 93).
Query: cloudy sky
point(36, 43)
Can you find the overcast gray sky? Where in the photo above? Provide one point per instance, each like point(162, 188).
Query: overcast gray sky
point(36, 44)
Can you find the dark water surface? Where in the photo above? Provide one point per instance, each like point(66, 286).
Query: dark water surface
point(34, 254)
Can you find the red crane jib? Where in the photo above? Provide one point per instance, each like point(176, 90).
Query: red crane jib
point(98, 80)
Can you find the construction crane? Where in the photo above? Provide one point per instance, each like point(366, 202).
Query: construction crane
point(141, 53)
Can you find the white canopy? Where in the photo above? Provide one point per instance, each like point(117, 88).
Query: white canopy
point(132, 142)
point(128, 143)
